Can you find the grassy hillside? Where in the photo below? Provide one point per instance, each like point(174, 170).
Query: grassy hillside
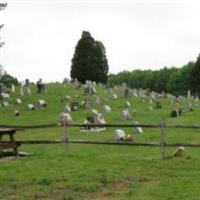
point(98, 171)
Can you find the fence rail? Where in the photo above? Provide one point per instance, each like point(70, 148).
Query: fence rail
point(148, 144)
point(55, 125)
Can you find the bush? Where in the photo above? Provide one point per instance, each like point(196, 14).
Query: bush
point(174, 113)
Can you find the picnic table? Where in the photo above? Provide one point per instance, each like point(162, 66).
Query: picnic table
point(8, 144)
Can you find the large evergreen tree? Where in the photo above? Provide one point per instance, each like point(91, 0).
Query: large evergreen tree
point(89, 61)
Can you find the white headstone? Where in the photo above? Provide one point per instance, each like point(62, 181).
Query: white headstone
point(94, 112)
point(188, 94)
point(41, 103)
point(28, 90)
point(114, 96)
point(65, 118)
point(18, 101)
point(67, 109)
point(138, 129)
point(5, 95)
point(31, 107)
point(67, 97)
point(100, 119)
point(13, 88)
point(5, 103)
point(125, 114)
point(107, 108)
point(97, 100)
point(21, 91)
point(119, 134)
point(127, 104)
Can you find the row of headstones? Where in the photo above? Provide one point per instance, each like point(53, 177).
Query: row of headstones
point(40, 104)
point(24, 87)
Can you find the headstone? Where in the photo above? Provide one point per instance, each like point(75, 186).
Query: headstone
point(41, 103)
point(179, 151)
point(97, 100)
point(100, 119)
point(197, 101)
point(85, 103)
point(126, 114)
point(5, 96)
point(28, 90)
point(40, 86)
point(6, 103)
point(138, 129)
point(94, 112)
point(67, 109)
point(21, 90)
point(188, 94)
point(127, 104)
point(151, 108)
point(114, 96)
point(13, 88)
point(16, 113)
point(119, 134)
point(126, 92)
point(93, 90)
point(18, 101)
point(190, 106)
point(65, 118)
point(107, 109)
point(67, 97)
point(31, 107)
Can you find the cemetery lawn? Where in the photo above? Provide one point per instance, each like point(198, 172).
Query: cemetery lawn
point(101, 172)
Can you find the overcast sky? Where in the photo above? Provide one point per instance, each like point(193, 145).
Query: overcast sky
point(41, 36)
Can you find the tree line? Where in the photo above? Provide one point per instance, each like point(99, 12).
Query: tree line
point(171, 80)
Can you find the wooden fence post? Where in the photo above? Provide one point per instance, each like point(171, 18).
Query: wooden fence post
point(163, 140)
point(65, 135)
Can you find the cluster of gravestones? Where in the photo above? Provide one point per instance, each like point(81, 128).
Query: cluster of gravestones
point(39, 104)
point(89, 88)
point(179, 104)
point(182, 104)
point(90, 100)
point(24, 89)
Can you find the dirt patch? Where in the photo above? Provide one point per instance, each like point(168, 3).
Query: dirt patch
point(112, 190)
point(61, 190)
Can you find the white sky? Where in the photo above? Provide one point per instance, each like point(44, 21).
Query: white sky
point(41, 36)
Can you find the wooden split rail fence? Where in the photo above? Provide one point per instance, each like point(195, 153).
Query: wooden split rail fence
point(163, 144)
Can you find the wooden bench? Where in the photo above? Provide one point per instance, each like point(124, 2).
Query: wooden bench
point(8, 144)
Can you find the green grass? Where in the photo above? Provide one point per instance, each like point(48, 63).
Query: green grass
point(99, 171)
